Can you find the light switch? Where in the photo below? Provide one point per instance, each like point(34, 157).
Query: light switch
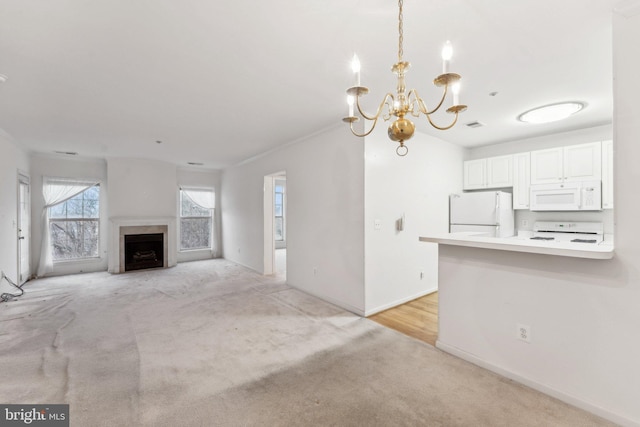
point(377, 224)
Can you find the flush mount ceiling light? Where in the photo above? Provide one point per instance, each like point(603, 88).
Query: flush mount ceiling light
point(404, 103)
point(551, 113)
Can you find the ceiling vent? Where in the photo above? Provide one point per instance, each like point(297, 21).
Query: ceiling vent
point(475, 124)
point(195, 163)
point(68, 153)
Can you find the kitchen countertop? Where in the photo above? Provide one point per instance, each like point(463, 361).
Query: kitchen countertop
point(603, 250)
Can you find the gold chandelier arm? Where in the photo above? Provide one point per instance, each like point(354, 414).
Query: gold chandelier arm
point(380, 107)
point(366, 133)
point(423, 107)
point(443, 128)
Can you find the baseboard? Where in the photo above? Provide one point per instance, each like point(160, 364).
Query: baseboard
point(567, 398)
point(384, 307)
point(330, 300)
point(241, 264)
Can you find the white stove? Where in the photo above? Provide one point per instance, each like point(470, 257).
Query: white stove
point(578, 232)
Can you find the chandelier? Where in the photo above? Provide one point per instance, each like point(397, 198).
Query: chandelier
point(404, 103)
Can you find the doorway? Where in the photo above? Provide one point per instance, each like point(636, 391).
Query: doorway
point(275, 224)
point(24, 228)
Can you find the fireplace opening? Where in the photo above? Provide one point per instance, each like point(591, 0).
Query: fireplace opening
point(143, 251)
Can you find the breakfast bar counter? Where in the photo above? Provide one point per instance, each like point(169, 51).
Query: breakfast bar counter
point(602, 250)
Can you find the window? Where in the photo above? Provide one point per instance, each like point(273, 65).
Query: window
point(279, 213)
point(75, 226)
point(196, 219)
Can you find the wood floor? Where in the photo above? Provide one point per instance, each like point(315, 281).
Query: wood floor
point(417, 318)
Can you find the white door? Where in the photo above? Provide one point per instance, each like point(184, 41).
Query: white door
point(24, 229)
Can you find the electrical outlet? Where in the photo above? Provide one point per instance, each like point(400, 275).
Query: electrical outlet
point(524, 223)
point(523, 332)
point(421, 275)
point(315, 271)
point(377, 224)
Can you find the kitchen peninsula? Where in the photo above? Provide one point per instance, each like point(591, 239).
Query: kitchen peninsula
point(491, 288)
point(603, 250)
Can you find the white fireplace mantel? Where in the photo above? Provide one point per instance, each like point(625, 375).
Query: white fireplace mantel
point(124, 221)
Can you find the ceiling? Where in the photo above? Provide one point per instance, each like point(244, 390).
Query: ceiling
point(219, 82)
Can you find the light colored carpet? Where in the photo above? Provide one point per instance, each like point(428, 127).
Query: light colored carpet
point(213, 344)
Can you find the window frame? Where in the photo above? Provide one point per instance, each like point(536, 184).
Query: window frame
point(181, 194)
point(282, 213)
point(98, 221)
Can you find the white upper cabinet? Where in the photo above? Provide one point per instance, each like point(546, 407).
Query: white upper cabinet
point(493, 172)
point(521, 180)
point(581, 162)
point(607, 174)
point(500, 172)
point(475, 174)
point(546, 166)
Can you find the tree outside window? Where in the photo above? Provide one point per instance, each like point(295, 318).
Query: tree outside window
point(75, 226)
point(196, 220)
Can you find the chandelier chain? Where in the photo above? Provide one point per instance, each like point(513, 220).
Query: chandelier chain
point(400, 32)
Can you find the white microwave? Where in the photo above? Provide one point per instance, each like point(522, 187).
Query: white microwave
point(566, 196)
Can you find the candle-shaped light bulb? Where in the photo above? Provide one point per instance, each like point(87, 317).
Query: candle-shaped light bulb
point(447, 53)
point(350, 102)
point(456, 93)
point(355, 66)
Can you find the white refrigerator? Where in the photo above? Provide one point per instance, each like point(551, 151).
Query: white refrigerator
point(487, 212)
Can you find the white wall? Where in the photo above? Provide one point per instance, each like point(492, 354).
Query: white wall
point(44, 165)
point(584, 314)
point(581, 136)
point(418, 187)
point(129, 188)
point(142, 188)
point(12, 160)
point(202, 179)
point(141, 192)
point(325, 213)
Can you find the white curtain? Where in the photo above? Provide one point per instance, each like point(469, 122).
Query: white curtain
point(206, 198)
point(56, 190)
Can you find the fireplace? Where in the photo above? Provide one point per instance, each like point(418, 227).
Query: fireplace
point(143, 246)
point(143, 251)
